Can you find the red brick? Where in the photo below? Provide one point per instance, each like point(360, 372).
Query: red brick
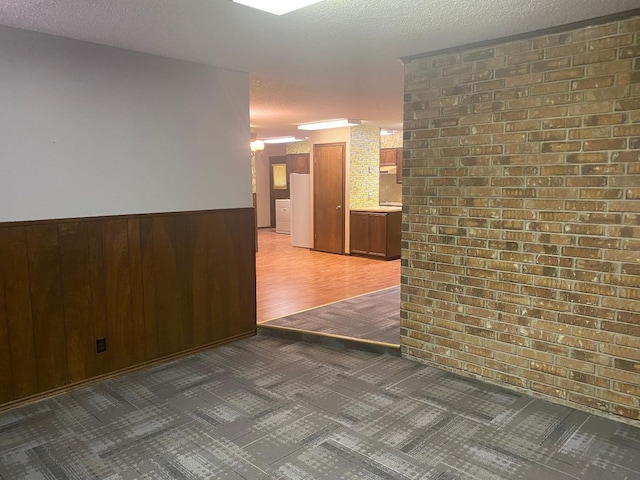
point(591, 83)
point(590, 133)
point(567, 74)
point(550, 88)
point(561, 147)
point(610, 119)
point(611, 93)
point(564, 98)
point(630, 52)
point(626, 131)
point(610, 144)
point(547, 112)
point(522, 221)
point(561, 123)
point(595, 57)
point(566, 50)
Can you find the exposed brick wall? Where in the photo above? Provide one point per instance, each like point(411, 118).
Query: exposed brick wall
point(521, 226)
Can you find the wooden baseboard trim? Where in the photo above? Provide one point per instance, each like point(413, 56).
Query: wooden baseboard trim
point(101, 378)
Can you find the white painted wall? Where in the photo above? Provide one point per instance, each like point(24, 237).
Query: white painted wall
point(89, 130)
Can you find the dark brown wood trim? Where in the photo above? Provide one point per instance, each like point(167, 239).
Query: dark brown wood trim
point(20, 223)
point(522, 36)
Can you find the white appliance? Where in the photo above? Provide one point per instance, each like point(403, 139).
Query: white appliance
point(300, 193)
point(283, 215)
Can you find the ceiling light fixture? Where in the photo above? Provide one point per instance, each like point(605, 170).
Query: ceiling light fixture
point(277, 7)
point(385, 132)
point(282, 140)
point(256, 145)
point(330, 124)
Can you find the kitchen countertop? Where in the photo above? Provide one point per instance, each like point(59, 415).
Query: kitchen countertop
point(379, 208)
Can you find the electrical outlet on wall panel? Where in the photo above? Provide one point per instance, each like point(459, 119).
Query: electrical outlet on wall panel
point(101, 345)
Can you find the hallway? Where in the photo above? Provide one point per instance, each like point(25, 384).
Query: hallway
point(292, 279)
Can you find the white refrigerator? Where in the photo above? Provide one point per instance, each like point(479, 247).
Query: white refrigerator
point(300, 194)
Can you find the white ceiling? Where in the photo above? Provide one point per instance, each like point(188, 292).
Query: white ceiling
point(334, 59)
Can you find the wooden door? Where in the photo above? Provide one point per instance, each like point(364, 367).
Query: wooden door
point(277, 191)
point(328, 197)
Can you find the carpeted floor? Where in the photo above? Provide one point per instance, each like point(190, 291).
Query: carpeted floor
point(373, 316)
point(268, 408)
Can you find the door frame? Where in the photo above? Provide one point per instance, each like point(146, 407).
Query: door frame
point(275, 194)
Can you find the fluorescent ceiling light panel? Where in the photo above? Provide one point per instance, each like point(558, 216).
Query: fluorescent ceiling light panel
point(282, 140)
point(277, 7)
point(330, 124)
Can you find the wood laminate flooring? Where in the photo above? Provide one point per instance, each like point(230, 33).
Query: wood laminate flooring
point(292, 279)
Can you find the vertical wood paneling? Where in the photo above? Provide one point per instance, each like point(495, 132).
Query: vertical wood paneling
point(117, 293)
point(194, 278)
point(184, 233)
point(152, 285)
point(46, 304)
point(98, 291)
point(231, 273)
point(7, 392)
point(239, 233)
point(200, 280)
point(151, 327)
point(76, 295)
point(15, 267)
point(217, 266)
point(137, 300)
point(170, 335)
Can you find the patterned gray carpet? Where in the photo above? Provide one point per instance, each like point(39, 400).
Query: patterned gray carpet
point(374, 316)
point(267, 408)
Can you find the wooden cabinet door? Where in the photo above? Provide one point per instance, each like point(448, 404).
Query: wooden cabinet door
point(359, 233)
point(387, 156)
point(378, 234)
point(394, 234)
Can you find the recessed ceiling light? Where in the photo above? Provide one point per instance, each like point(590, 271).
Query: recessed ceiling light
point(329, 124)
point(277, 7)
point(282, 140)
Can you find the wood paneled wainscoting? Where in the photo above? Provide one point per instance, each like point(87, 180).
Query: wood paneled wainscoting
point(152, 285)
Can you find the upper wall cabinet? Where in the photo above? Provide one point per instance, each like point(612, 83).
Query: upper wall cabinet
point(387, 156)
point(392, 157)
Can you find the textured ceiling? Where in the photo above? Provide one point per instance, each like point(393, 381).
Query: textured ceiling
point(337, 58)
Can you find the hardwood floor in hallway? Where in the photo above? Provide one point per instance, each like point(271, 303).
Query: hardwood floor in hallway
point(292, 279)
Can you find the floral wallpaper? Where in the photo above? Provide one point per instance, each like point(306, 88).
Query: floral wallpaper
point(253, 174)
point(364, 167)
point(391, 141)
point(298, 147)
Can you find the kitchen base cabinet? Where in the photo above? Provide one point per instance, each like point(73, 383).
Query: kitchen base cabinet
point(376, 233)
